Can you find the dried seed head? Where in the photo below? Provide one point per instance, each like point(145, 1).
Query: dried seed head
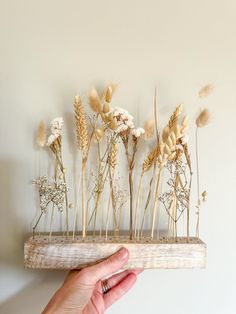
point(99, 133)
point(184, 122)
point(165, 134)
point(113, 155)
point(110, 116)
point(81, 126)
point(94, 101)
point(106, 107)
point(148, 162)
point(206, 91)
point(108, 94)
point(41, 134)
point(178, 132)
point(175, 116)
point(113, 124)
point(203, 118)
point(149, 127)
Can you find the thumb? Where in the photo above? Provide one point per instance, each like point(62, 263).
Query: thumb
point(106, 267)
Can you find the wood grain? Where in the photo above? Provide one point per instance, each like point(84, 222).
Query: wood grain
point(62, 252)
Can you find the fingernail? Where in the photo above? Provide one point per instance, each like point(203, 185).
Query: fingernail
point(123, 254)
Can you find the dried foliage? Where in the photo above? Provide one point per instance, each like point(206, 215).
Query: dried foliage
point(108, 132)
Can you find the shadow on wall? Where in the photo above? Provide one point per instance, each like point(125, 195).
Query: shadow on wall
point(34, 297)
point(11, 236)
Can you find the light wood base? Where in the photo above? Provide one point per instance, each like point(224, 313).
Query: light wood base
point(61, 252)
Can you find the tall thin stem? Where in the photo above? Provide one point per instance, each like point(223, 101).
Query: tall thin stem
point(83, 200)
point(155, 203)
point(198, 186)
point(137, 207)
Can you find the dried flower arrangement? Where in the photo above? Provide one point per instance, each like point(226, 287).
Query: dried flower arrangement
point(108, 133)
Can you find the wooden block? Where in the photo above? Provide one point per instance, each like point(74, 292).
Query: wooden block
point(61, 252)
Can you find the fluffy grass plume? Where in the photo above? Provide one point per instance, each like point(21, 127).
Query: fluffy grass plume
point(203, 118)
point(41, 134)
point(206, 90)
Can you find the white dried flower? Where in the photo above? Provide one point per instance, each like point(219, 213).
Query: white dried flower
point(138, 132)
point(121, 128)
point(56, 125)
point(52, 138)
point(124, 119)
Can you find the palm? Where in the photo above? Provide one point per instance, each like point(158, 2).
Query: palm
point(96, 303)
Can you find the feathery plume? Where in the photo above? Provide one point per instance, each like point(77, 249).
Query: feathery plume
point(205, 91)
point(203, 118)
point(41, 134)
point(94, 101)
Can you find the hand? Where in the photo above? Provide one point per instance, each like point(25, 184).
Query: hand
point(81, 291)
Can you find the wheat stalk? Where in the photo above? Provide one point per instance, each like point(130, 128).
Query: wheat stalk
point(81, 126)
point(112, 158)
point(82, 139)
point(173, 121)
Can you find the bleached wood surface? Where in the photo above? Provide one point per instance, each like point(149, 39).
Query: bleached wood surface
point(62, 252)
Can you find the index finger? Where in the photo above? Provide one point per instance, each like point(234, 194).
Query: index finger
point(107, 267)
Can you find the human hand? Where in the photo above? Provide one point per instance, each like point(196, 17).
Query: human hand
point(81, 291)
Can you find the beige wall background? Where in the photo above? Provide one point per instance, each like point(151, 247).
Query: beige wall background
point(52, 50)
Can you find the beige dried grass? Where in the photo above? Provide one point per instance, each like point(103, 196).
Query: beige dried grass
point(149, 160)
point(149, 127)
point(94, 101)
point(41, 134)
point(203, 118)
point(206, 90)
point(81, 126)
point(173, 121)
point(112, 159)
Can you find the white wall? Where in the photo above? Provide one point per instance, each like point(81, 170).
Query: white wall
point(50, 51)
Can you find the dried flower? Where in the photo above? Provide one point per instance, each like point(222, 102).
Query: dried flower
point(203, 118)
point(56, 128)
point(108, 94)
point(94, 101)
point(112, 159)
point(149, 127)
point(106, 107)
point(137, 132)
point(56, 125)
point(204, 196)
point(81, 125)
point(51, 193)
point(52, 138)
point(206, 91)
point(124, 120)
point(175, 116)
point(41, 134)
